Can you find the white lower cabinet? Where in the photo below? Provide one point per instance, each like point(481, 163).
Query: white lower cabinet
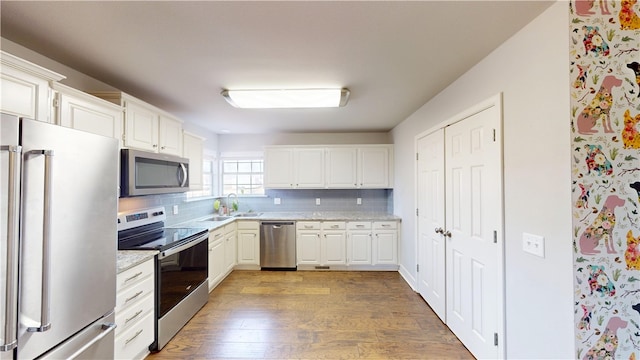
point(385, 243)
point(230, 247)
point(216, 257)
point(135, 311)
point(308, 243)
point(248, 245)
point(359, 243)
point(333, 244)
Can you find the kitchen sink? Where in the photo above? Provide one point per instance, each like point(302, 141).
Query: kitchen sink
point(217, 218)
point(247, 214)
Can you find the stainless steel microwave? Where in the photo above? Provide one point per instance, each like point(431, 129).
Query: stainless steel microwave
point(145, 173)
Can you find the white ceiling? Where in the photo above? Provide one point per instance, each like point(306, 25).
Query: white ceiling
point(393, 55)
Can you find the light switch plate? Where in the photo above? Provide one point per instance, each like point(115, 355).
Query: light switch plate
point(533, 244)
point(358, 201)
point(175, 209)
point(317, 201)
point(276, 201)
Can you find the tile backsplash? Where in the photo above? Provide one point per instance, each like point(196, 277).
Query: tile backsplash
point(290, 201)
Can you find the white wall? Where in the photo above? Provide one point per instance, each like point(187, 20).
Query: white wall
point(531, 70)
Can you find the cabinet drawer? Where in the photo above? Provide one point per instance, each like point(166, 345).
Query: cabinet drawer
point(216, 235)
point(385, 225)
point(135, 275)
point(308, 225)
point(333, 225)
point(248, 225)
point(358, 225)
point(230, 228)
point(133, 294)
point(134, 342)
point(132, 315)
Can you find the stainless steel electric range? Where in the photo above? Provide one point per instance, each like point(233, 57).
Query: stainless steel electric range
point(181, 267)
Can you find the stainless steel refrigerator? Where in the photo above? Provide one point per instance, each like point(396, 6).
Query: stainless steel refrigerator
point(58, 241)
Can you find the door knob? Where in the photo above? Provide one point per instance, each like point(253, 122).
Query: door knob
point(447, 234)
point(439, 230)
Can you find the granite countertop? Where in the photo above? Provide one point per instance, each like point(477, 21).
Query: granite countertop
point(293, 216)
point(130, 258)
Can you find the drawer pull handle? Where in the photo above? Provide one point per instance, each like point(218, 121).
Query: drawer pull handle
point(308, 226)
point(133, 317)
point(134, 296)
point(133, 277)
point(359, 226)
point(334, 226)
point(386, 225)
point(133, 337)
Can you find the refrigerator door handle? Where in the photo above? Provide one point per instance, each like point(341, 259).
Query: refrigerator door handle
point(45, 314)
point(11, 281)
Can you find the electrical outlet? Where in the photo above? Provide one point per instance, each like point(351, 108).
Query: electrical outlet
point(175, 209)
point(317, 201)
point(276, 201)
point(533, 244)
point(358, 201)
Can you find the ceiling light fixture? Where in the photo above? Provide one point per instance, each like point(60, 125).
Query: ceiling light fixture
point(287, 98)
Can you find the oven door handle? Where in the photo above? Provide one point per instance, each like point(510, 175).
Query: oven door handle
point(184, 246)
point(182, 175)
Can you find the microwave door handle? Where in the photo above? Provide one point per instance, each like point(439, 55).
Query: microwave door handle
point(11, 281)
point(45, 313)
point(184, 175)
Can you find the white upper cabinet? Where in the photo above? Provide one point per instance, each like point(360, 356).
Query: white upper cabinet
point(25, 88)
point(278, 168)
point(329, 167)
point(147, 127)
point(170, 136)
point(308, 168)
point(81, 111)
point(341, 167)
point(193, 149)
point(373, 167)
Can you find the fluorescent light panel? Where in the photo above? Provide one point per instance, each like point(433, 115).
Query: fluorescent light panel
point(287, 98)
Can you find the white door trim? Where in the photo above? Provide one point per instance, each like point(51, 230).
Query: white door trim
point(496, 101)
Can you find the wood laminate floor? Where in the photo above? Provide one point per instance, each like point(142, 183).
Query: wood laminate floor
point(314, 315)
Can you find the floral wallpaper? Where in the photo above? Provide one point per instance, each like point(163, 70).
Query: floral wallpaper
point(605, 119)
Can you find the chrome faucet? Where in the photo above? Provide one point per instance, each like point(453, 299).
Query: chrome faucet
point(229, 204)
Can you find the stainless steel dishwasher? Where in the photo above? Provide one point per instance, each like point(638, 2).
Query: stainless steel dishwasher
point(278, 245)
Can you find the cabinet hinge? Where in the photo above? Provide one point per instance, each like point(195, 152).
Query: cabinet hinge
point(417, 156)
point(56, 102)
point(494, 135)
point(495, 237)
point(417, 212)
point(417, 267)
point(495, 339)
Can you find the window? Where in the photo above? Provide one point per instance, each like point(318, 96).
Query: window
point(243, 177)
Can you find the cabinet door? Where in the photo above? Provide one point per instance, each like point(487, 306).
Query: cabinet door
point(373, 167)
point(334, 248)
point(341, 169)
point(308, 247)
point(170, 136)
point(25, 88)
point(230, 251)
point(248, 247)
point(309, 168)
point(94, 116)
point(141, 127)
point(278, 168)
point(193, 150)
point(359, 247)
point(385, 247)
point(216, 263)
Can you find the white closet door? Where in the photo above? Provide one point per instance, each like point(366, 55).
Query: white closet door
point(473, 212)
point(431, 246)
